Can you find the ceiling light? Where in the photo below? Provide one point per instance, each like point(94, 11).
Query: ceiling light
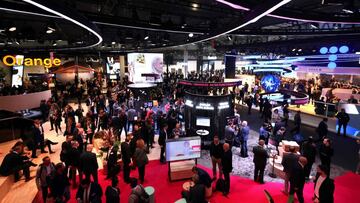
point(294, 49)
point(191, 34)
point(195, 5)
point(12, 29)
point(146, 37)
point(299, 49)
point(50, 30)
point(9, 43)
point(346, 10)
point(229, 37)
point(113, 43)
point(54, 44)
point(17, 42)
point(312, 25)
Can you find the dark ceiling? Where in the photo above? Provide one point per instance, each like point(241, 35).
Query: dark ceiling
point(130, 25)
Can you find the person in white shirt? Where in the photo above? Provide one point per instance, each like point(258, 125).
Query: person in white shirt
point(324, 186)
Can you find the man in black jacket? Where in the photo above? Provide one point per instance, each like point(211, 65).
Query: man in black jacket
point(112, 164)
point(309, 151)
point(162, 141)
point(322, 129)
point(226, 162)
point(297, 179)
point(297, 122)
point(343, 119)
point(126, 157)
point(89, 192)
point(289, 160)
point(216, 152)
point(88, 163)
point(260, 159)
point(13, 163)
point(196, 194)
point(326, 152)
point(324, 186)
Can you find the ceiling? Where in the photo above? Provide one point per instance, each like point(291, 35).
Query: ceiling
point(158, 25)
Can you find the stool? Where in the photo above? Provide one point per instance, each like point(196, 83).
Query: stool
point(182, 200)
point(151, 192)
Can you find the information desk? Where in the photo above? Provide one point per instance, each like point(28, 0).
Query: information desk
point(181, 170)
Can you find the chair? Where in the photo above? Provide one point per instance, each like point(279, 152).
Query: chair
point(268, 197)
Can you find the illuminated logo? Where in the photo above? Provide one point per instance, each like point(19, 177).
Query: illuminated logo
point(10, 60)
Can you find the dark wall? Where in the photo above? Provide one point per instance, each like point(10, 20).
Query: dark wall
point(217, 116)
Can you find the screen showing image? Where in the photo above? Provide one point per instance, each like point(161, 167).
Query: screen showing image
point(183, 148)
point(145, 67)
point(203, 121)
point(17, 73)
point(112, 66)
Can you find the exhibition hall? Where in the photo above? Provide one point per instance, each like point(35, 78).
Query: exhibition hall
point(168, 101)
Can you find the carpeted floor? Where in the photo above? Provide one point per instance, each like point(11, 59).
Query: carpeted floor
point(242, 189)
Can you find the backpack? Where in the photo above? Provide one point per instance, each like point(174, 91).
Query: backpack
point(220, 185)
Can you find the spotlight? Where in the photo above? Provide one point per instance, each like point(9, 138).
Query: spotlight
point(146, 37)
point(229, 37)
point(294, 49)
point(300, 49)
point(312, 25)
point(113, 43)
point(54, 44)
point(12, 29)
point(50, 30)
point(191, 34)
point(195, 5)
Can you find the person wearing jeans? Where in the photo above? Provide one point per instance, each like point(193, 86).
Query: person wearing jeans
point(245, 130)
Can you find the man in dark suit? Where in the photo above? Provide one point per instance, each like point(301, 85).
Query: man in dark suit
point(322, 129)
point(13, 163)
point(226, 162)
point(309, 151)
point(326, 151)
point(260, 159)
point(126, 157)
point(196, 194)
point(343, 119)
point(289, 160)
point(112, 164)
point(89, 192)
point(324, 186)
point(162, 142)
point(297, 180)
point(88, 163)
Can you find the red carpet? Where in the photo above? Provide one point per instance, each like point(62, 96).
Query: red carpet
point(242, 190)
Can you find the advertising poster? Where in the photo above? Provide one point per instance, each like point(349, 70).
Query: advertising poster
point(145, 67)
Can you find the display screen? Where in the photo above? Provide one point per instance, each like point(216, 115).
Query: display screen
point(203, 121)
point(113, 77)
point(145, 67)
point(112, 66)
point(183, 148)
point(17, 73)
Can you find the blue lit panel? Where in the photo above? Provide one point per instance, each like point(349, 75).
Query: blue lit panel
point(270, 83)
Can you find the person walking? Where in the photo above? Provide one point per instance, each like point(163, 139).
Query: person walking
point(216, 152)
point(226, 162)
point(343, 119)
point(141, 159)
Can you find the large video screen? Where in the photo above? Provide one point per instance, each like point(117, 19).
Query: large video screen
point(17, 73)
point(183, 148)
point(203, 121)
point(112, 67)
point(145, 67)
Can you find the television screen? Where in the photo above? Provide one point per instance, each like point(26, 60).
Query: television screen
point(203, 121)
point(145, 67)
point(183, 148)
point(17, 73)
point(112, 66)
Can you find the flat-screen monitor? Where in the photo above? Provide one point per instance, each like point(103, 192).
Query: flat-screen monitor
point(145, 67)
point(112, 66)
point(183, 148)
point(203, 121)
point(17, 72)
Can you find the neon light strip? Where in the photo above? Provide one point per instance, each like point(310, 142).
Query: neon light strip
point(239, 7)
point(100, 39)
point(281, 61)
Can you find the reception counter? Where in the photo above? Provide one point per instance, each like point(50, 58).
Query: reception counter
point(24, 101)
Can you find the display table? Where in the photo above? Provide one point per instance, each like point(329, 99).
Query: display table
point(283, 148)
point(180, 170)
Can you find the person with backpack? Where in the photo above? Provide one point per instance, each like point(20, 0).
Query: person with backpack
point(44, 176)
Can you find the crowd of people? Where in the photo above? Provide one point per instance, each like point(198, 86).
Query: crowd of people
point(111, 113)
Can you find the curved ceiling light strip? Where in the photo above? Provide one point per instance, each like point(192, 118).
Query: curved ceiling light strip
point(103, 23)
point(239, 7)
point(100, 39)
point(252, 20)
